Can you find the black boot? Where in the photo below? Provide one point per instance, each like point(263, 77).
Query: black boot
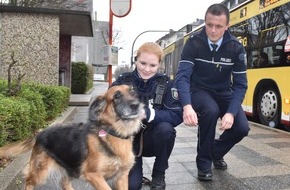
point(158, 181)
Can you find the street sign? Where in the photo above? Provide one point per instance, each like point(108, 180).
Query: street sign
point(110, 55)
point(120, 8)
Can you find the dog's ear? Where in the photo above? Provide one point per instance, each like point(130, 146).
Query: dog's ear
point(96, 108)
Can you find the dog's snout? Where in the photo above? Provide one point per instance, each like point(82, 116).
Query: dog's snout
point(135, 105)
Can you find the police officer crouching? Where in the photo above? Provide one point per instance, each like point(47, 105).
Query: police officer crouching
point(163, 112)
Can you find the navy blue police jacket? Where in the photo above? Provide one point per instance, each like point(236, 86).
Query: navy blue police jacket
point(220, 72)
point(169, 110)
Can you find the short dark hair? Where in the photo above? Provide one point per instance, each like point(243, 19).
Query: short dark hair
point(218, 9)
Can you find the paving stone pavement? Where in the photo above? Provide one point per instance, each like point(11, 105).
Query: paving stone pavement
point(260, 161)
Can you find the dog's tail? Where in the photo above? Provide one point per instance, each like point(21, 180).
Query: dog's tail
point(14, 149)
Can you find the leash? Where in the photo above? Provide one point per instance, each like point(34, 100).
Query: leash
point(144, 127)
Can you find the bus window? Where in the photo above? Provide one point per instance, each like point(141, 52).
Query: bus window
point(262, 60)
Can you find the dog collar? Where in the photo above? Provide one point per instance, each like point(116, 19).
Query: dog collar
point(103, 132)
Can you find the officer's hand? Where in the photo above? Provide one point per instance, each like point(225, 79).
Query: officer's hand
point(227, 121)
point(150, 104)
point(150, 111)
point(189, 116)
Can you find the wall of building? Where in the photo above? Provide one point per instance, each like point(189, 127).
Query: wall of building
point(34, 41)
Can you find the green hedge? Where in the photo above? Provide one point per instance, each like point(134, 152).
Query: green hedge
point(15, 120)
point(33, 108)
point(82, 77)
point(37, 108)
point(55, 98)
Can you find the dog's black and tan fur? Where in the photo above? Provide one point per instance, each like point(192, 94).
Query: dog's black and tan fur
point(96, 151)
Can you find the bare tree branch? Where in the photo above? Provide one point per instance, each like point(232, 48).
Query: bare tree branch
point(13, 90)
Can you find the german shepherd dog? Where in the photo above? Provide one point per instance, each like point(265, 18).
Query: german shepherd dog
point(97, 151)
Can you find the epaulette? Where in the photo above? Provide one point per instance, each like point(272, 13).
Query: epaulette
point(126, 77)
point(195, 34)
point(162, 78)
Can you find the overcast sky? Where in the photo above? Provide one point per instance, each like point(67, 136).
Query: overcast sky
point(151, 15)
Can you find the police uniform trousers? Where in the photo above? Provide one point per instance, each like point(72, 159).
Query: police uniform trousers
point(158, 141)
point(210, 106)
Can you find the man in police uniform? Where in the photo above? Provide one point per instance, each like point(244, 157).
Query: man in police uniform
point(212, 83)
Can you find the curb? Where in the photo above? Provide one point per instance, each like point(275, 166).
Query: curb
point(11, 176)
point(270, 128)
point(66, 116)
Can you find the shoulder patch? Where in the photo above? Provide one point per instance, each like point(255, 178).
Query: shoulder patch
point(174, 93)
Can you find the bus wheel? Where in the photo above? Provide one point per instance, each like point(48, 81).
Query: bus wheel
point(268, 107)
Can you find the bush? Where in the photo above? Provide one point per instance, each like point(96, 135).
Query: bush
point(37, 108)
point(55, 98)
point(31, 109)
point(15, 120)
point(3, 87)
point(91, 77)
point(82, 78)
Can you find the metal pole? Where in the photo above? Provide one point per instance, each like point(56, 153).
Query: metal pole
point(110, 43)
point(132, 51)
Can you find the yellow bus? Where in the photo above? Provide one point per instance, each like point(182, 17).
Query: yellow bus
point(263, 27)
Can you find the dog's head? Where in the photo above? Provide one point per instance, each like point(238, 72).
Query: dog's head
point(118, 103)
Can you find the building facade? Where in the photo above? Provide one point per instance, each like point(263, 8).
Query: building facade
point(39, 41)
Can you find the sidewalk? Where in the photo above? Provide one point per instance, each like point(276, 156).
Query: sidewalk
point(260, 161)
